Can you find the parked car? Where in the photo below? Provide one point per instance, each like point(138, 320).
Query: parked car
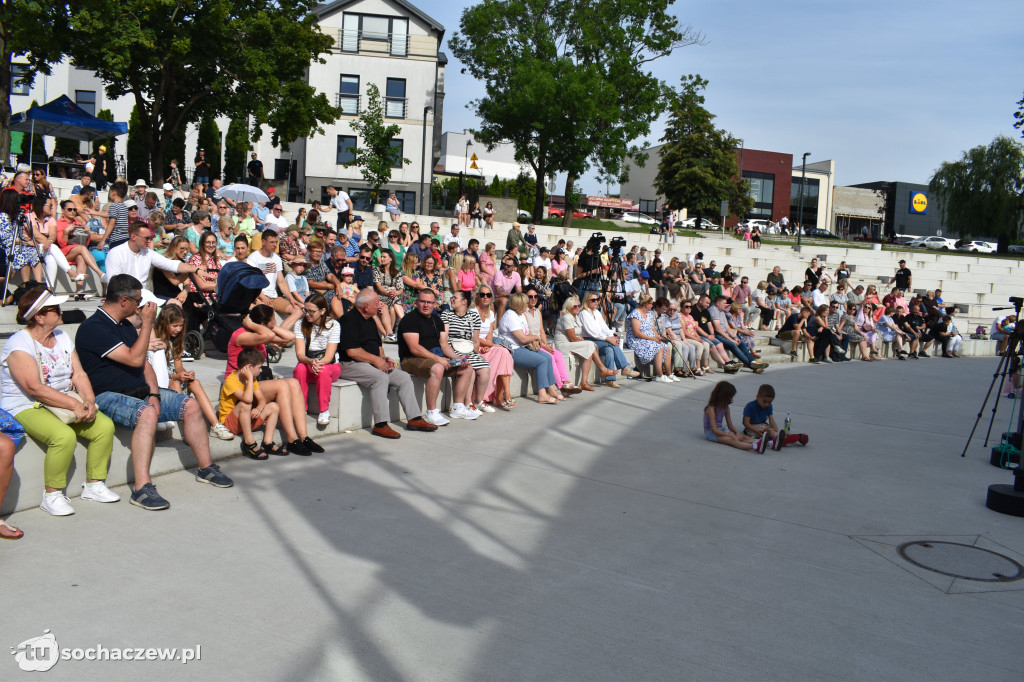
point(1016, 248)
point(705, 224)
point(636, 217)
point(935, 243)
point(819, 233)
point(978, 246)
point(559, 212)
point(524, 215)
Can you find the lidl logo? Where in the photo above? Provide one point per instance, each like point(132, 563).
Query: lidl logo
point(918, 202)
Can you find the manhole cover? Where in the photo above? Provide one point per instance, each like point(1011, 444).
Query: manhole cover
point(962, 561)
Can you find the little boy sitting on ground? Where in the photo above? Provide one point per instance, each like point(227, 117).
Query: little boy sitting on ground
point(758, 419)
point(244, 408)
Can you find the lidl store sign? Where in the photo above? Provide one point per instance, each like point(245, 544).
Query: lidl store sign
point(918, 202)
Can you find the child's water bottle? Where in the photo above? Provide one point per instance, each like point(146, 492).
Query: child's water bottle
point(789, 422)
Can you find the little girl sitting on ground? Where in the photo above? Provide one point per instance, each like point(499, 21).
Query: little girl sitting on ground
point(717, 419)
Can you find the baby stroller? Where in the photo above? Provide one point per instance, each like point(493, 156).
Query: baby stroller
point(238, 286)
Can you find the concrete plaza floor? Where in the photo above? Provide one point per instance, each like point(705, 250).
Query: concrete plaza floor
point(600, 539)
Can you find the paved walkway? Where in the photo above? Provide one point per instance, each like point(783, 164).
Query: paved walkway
point(594, 540)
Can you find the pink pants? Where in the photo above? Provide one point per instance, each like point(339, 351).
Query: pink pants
point(500, 361)
point(558, 365)
point(327, 376)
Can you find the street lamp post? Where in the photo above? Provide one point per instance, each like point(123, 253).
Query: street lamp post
point(800, 218)
point(423, 157)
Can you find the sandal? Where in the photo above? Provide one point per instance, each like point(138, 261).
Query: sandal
point(273, 449)
point(10, 532)
point(253, 450)
point(508, 404)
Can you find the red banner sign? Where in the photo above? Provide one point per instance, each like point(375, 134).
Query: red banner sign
point(610, 202)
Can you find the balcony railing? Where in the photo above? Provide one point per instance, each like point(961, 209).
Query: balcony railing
point(394, 107)
point(392, 44)
point(349, 104)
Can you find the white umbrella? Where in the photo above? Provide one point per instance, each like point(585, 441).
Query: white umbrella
point(240, 192)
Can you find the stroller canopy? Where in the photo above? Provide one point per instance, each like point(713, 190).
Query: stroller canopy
point(238, 285)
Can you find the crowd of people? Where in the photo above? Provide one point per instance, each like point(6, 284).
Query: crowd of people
point(337, 293)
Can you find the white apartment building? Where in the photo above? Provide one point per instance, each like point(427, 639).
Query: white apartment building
point(390, 43)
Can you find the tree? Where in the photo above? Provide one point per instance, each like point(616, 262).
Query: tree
point(186, 60)
point(236, 144)
point(982, 194)
point(376, 156)
point(136, 156)
point(66, 148)
point(108, 142)
point(698, 168)
point(37, 32)
point(209, 140)
point(1018, 117)
point(566, 80)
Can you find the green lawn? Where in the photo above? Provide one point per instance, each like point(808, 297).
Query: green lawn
point(598, 225)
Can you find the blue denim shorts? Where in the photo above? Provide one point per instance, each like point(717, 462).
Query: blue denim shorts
point(125, 410)
point(710, 435)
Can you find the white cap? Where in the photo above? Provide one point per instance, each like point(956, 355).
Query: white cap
point(168, 187)
point(141, 183)
point(130, 203)
point(47, 299)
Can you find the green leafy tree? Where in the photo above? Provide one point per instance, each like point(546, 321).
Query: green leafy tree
point(982, 194)
point(189, 60)
point(375, 156)
point(107, 142)
point(136, 157)
point(176, 150)
point(236, 144)
point(35, 31)
point(66, 148)
point(209, 139)
point(566, 81)
point(1018, 117)
point(698, 168)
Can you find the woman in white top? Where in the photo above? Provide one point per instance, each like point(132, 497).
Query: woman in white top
point(535, 321)
point(316, 342)
point(499, 392)
point(596, 329)
point(40, 370)
point(515, 330)
point(463, 210)
point(569, 339)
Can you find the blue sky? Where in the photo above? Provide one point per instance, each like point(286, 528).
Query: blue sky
point(888, 90)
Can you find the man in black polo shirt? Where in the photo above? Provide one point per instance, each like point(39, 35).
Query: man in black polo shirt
point(363, 361)
point(913, 323)
point(903, 277)
point(424, 351)
point(113, 355)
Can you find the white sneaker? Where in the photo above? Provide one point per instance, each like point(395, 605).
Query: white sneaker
point(673, 377)
point(471, 408)
point(486, 408)
point(98, 491)
point(662, 379)
point(436, 418)
point(324, 419)
point(56, 503)
point(222, 432)
point(461, 412)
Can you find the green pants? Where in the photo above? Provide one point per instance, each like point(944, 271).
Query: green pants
point(60, 440)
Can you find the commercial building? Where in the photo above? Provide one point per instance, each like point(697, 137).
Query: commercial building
point(459, 149)
point(909, 209)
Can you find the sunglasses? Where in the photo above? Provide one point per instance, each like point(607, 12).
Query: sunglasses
point(532, 298)
point(49, 309)
point(483, 294)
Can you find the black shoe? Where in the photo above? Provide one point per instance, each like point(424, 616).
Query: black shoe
point(297, 447)
point(312, 445)
point(922, 354)
point(912, 356)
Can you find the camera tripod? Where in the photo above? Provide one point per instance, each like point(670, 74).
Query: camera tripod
point(1005, 499)
point(18, 239)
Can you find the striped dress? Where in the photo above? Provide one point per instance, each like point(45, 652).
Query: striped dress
point(464, 328)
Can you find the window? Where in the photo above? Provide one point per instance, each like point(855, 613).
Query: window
point(392, 31)
point(648, 205)
point(810, 212)
point(406, 200)
point(348, 95)
point(17, 71)
point(762, 190)
point(394, 98)
point(346, 149)
point(397, 151)
point(86, 100)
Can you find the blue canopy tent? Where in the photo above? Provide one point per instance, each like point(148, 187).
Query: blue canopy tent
point(64, 118)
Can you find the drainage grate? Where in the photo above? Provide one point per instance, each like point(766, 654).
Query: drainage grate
point(962, 561)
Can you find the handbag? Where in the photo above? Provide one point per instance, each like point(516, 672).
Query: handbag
point(461, 346)
point(79, 236)
point(62, 413)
